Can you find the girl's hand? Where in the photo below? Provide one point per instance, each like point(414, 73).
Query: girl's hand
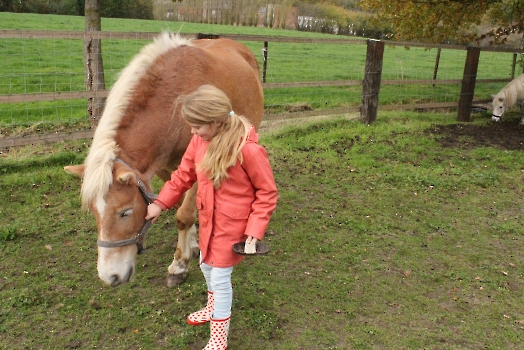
point(251, 245)
point(153, 212)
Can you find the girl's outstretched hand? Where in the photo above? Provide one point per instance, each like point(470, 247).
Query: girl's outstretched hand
point(251, 245)
point(153, 212)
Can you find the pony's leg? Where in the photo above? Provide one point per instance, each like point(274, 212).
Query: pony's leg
point(187, 243)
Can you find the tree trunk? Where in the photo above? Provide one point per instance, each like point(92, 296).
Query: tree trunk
point(93, 61)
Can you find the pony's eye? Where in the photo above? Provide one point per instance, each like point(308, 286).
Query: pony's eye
point(126, 212)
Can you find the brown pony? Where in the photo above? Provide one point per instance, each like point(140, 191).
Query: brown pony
point(141, 134)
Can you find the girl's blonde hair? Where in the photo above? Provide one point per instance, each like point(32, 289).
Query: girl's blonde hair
point(208, 105)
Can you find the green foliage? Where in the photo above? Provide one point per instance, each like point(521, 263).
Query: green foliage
point(140, 9)
point(438, 21)
point(57, 7)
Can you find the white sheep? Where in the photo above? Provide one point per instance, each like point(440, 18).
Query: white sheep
point(511, 94)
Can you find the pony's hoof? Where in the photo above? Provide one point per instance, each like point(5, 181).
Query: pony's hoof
point(175, 280)
point(495, 119)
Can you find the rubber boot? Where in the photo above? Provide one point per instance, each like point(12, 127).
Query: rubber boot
point(219, 333)
point(202, 316)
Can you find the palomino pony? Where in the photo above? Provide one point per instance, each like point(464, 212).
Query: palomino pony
point(141, 134)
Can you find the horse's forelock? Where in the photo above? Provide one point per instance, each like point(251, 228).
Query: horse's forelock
point(99, 162)
point(98, 173)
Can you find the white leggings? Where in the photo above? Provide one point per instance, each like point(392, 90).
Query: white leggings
point(218, 281)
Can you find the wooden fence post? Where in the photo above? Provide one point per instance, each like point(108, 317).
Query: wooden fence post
point(513, 65)
point(94, 67)
point(437, 61)
point(264, 54)
point(371, 83)
point(468, 84)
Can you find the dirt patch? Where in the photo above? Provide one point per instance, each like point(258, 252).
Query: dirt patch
point(506, 135)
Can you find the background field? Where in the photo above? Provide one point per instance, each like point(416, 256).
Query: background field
point(56, 65)
point(405, 234)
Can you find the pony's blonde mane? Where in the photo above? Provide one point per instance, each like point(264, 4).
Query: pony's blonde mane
point(99, 162)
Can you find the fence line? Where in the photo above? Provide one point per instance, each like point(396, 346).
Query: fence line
point(372, 88)
point(61, 34)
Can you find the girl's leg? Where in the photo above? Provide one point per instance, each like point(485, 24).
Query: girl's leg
point(223, 292)
point(200, 317)
point(220, 318)
point(206, 270)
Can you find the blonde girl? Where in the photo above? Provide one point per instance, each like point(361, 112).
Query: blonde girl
point(235, 198)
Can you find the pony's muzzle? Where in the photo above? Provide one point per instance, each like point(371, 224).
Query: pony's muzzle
point(116, 280)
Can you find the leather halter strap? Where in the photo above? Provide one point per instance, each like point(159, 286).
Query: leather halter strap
point(139, 238)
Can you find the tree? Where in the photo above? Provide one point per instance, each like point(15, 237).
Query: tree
point(439, 20)
point(6, 5)
point(139, 9)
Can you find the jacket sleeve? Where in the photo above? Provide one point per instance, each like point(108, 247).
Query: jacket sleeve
point(181, 179)
point(257, 167)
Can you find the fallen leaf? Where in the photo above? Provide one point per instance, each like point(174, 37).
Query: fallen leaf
point(48, 247)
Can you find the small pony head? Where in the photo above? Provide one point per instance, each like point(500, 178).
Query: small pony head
point(499, 107)
point(119, 212)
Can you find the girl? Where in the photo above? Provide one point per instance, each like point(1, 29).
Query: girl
point(235, 198)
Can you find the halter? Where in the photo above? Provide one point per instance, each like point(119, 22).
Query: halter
point(139, 238)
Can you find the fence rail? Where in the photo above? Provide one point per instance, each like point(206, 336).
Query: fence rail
point(371, 89)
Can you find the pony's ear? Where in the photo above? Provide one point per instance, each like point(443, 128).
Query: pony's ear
point(492, 96)
point(77, 170)
point(123, 175)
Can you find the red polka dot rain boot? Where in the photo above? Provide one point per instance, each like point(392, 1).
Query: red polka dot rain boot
point(219, 332)
point(202, 316)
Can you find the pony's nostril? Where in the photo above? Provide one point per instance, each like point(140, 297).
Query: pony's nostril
point(114, 281)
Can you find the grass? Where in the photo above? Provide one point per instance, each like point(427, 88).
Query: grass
point(382, 238)
point(55, 65)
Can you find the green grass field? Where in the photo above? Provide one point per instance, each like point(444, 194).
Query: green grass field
point(56, 65)
point(397, 235)
point(385, 237)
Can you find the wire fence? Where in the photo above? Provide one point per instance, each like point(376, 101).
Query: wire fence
point(43, 95)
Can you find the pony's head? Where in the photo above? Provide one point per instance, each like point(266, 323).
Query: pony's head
point(112, 191)
point(499, 107)
point(119, 211)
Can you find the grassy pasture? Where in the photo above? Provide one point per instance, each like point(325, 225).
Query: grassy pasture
point(385, 237)
point(49, 65)
point(390, 236)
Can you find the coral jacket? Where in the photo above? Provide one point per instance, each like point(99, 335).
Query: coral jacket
point(240, 207)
